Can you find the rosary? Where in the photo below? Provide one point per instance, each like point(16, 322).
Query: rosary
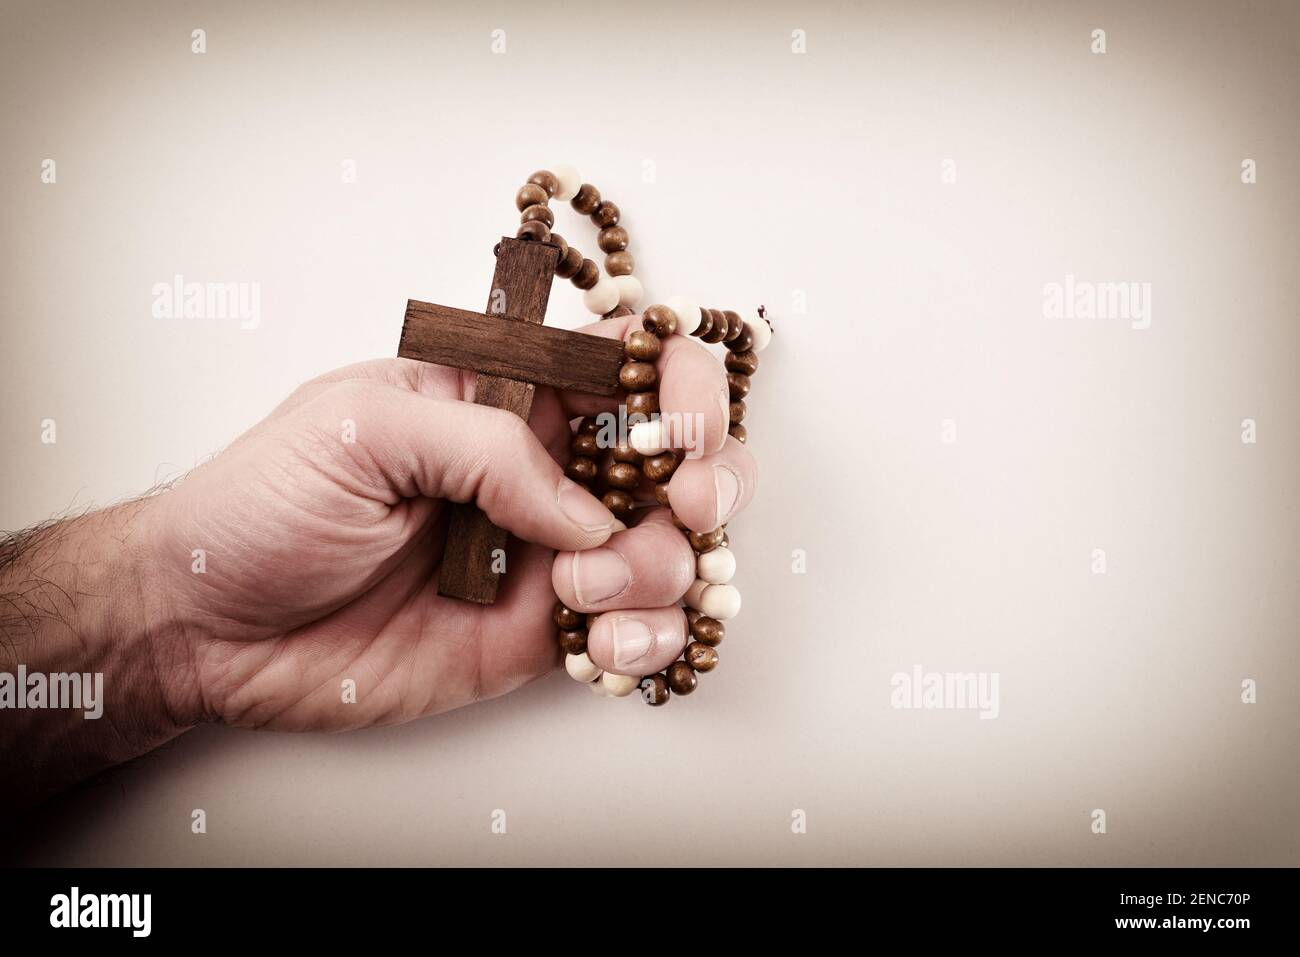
point(512, 361)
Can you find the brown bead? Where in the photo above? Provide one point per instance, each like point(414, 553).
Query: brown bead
point(625, 453)
point(726, 540)
point(718, 331)
point(692, 616)
point(660, 468)
point(612, 239)
point(661, 494)
point(538, 213)
point(708, 630)
point(681, 679)
point(738, 433)
point(573, 641)
point(705, 326)
point(738, 384)
point(735, 325)
point(530, 194)
point(618, 312)
point(581, 469)
point(535, 230)
point(638, 376)
point(619, 503)
point(654, 690)
point(706, 541)
point(642, 346)
point(586, 199)
point(678, 523)
point(605, 215)
point(660, 320)
point(589, 425)
point(560, 241)
point(619, 264)
point(584, 443)
point(644, 404)
point(546, 180)
point(587, 276)
point(746, 363)
point(736, 412)
point(700, 656)
point(743, 342)
point(591, 621)
point(622, 475)
point(569, 263)
point(564, 617)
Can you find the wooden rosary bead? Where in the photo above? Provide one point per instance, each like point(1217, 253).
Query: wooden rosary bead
point(530, 194)
point(584, 443)
point(535, 230)
point(564, 617)
point(718, 332)
point(588, 275)
point(761, 330)
point(581, 668)
point(661, 494)
point(642, 346)
point(746, 363)
point(692, 616)
point(681, 679)
point(659, 468)
point(619, 503)
point(546, 180)
point(620, 263)
point(569, 263)
point(619, 311)
point(560, 241)
point(654, 690)
point(538, 213)
point(612, 239)
point(736, 411)
point(618, 686)
point(708, 631)
point(645, 404)
point(738, 432)
point(660, 320)
point(590, 425)
point(581, 469)
point(678, 523)
point(705, 326)
point(743, 342)
point(586, 199)
point(700, 656)
point(605, 215)
point(717, 567)
point(706, 541)
point(622, 475)
point(716, 601)
point(737, 384)
point(573, 640)
point(735, 325)
point(625, 453)
point(637, 376)
point(629, 289)
point(591, 621)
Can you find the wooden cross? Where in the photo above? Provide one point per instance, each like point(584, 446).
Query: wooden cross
point(513, 353)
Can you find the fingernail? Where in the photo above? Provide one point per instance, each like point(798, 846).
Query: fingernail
point(582, 507)
point(599, 575)
point(726, 485)
point(632, 642)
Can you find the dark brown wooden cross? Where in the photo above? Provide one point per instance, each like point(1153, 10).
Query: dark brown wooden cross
point(513, 353)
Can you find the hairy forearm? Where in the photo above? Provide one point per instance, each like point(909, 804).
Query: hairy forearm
point(90, 669)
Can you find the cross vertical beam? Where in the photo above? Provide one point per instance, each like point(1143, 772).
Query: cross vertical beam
point(521, 287)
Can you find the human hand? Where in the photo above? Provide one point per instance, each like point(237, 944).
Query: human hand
point(321, 554)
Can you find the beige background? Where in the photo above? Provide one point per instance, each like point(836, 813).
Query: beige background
point(777, 176)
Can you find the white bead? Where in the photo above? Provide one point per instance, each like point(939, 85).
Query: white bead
point(598, 688)
point(689, 316)
point(629, 291)
point(695, 593)
point(570, 181)
point(619, 686)
point(581, 668)
point(716, 567)
point(648, 437)
point(716, 601)
point(602, 297)
point(761, 330)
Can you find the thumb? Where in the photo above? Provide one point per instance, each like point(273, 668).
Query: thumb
point(408, 444)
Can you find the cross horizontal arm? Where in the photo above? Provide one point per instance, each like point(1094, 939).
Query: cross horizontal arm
point(511, 349)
